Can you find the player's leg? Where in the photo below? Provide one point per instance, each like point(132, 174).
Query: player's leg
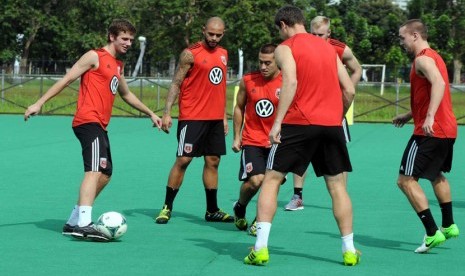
point(251, 172)
point(175, 179)
point(97, 162)
point(417, 163)
point(296, 202)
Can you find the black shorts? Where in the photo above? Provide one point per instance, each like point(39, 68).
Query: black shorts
point(253, 161)
point(426, 157)
point(95, 145)
point(323, 146)
point(201, 138)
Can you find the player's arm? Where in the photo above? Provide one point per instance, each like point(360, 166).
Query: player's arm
point(402, 119)
point(347, 87)
point(186, 60)
point(286, 62)
point(351, 62)
point(238, 116)
point(427, 67)
point(132, 100)
point(87, 61)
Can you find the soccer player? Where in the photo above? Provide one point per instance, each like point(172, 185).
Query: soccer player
point(430, 149)
point(307, 128)
point(320, 26)
point(254, 114)
point(200, 82)
point(102, 77)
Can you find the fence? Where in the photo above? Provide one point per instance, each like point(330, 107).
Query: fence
point(370, 105)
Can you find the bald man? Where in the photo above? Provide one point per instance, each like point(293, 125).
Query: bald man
point(200, 84)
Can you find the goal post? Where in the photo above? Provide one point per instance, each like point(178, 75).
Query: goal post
point(374, 73)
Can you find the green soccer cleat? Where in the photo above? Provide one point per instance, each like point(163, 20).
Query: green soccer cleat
point(450, 232)
point(430, 242)
point(350, 258)
point(253, 228)
point(259, 257)
point(164, 216)
point(218, 216)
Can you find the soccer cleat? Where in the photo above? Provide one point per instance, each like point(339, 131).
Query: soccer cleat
point(430, 242)
point(163, 216)
point(218, 216)
point(68, 229)
point(350, 258)
point(295, 204)
point(253, 228)
point(241, 223)
point(450, 232)
point(259, 257)
point(89, 232)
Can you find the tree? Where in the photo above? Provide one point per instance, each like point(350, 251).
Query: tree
point(445, 20)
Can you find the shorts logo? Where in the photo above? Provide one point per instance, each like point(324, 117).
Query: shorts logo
point(264, 108)
point(103, 163)
point(249, 167)
point(188, 148)
point(114, 85)
point(216, 75)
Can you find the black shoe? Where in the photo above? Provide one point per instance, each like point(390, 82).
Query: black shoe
point(89, 233)
point(68, 229)
point(218, 216)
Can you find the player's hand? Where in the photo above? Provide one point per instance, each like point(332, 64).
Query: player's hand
point(156, 121)
point(166, 123)
point(31, 111)
point(428, 126)
point(236, 147)
point(401, 120)
point(275, 134)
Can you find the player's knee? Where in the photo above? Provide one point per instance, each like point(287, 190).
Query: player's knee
point(256, 181)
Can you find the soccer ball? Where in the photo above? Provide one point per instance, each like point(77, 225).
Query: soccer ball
point(112, 224)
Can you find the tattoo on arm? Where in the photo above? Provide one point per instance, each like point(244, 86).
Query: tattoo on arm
point(186, 60)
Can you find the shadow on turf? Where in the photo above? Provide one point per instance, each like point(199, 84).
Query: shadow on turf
point(200, 220)
point(238, 251)
point(370, 241)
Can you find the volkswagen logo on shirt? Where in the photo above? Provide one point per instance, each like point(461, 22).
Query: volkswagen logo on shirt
point(114, 85)
point(216, 75)
point(264, 108)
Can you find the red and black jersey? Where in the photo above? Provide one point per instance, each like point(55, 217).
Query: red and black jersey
point(97, 91)
point(445, 124)
point(260, 108)
point(203, 91)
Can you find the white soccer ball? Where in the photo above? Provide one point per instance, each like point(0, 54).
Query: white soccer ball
point(112, 224)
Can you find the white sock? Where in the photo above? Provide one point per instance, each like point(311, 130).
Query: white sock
point(263, 232)
point(73, 218)
point(348, 243)
point(85, 215)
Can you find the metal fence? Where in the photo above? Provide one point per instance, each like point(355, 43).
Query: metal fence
point(374, 102)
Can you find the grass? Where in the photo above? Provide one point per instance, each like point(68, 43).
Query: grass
point(369, 105)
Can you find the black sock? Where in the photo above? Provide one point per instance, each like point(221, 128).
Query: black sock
point(239, 210)
point(428, 222)
point(447, 216)
point(169, 197)
point(298, 191)
point(212, 204)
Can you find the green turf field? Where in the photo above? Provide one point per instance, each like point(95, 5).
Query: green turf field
point(41, 170)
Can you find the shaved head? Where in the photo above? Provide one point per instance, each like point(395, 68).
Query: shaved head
point(215, 21)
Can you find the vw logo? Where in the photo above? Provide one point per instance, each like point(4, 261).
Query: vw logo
point(264, 108)
point(216, 75)
point(114, 85)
